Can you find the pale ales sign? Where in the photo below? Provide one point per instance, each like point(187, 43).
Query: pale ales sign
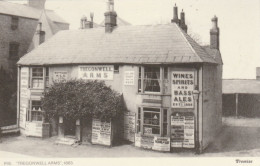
point(96, 72)
point(182, 89)
point(60, 76)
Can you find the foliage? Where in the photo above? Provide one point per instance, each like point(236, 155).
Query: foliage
point(76, 99)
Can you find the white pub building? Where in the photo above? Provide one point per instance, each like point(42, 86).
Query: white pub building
point(171, 85)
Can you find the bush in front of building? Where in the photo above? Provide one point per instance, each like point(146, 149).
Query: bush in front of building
point(78, 99)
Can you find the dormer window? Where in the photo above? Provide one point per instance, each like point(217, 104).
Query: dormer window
point(14, 22)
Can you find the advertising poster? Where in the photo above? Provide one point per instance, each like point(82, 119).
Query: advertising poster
point(189, 132)
point(24, 77)
point(101, 132)
point(60, 76)
point(182, 89)
point(129, 126)
point(147, 142)
point(96, 72)
point(33, 129)
point(138, 140)
point(129, 78)
point(182, 130)
point(161, 144)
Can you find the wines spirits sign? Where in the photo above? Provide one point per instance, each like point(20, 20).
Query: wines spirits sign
point(182, 88)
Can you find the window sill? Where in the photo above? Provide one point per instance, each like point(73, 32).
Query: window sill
point(36, 88)
point(155, 94)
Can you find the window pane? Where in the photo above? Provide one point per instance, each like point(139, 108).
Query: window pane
point(37, 82)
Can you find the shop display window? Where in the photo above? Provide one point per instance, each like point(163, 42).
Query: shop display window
point(151, 121)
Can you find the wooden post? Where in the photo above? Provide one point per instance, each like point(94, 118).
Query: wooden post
point(78, 130)
point(61, 127)
point(236, 105)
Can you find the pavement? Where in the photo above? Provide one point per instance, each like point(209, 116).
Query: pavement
point(234, 140)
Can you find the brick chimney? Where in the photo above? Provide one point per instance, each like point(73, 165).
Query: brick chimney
point(85, 24)
point(182, 22)
point(37, 3)
point(41, 34)
point(214, 34)
point(258, 73)
point(175, 15)
point(110, 17)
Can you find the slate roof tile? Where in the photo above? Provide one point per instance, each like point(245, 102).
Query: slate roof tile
point(126, 44)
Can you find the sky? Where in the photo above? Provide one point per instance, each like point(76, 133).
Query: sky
point(239, 24)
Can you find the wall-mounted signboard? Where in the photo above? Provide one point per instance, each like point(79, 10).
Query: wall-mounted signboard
point(96, 72)
point(101, 132)
point(60, 76)
point(129, 78)
point(129, 126)
point(182, 89)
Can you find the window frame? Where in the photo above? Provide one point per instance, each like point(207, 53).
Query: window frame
point(164, 83)
point(116, 69)
point(162, 121)
point(45, 77)
point(38, 113)
point(14, 22)
point(14, 50)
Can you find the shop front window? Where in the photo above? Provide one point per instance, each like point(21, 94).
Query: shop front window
point(151, 79)
point(37, 78)
point(151, 121)
point(36, 111)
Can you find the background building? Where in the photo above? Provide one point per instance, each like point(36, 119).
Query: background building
point(23, 27)
point(20, 29)
point(241, 97)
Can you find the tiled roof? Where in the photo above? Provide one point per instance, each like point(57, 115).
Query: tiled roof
point(27, 11)
point(214, 53)
point(150, 44)
point(19, 10)
point(232, 86)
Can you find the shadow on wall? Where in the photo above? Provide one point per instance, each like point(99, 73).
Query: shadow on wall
point(236, 138)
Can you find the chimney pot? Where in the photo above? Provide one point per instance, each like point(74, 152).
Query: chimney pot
point(41, 34)
point(175, 15)
point(214, 34)
point(182, 22)
point(40, 4)
point(110, 17)
point(258, 73)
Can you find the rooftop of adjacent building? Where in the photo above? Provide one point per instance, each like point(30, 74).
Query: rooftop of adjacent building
point(242, 86)
point(23, 10)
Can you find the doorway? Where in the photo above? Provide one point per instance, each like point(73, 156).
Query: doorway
point(69, 127)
